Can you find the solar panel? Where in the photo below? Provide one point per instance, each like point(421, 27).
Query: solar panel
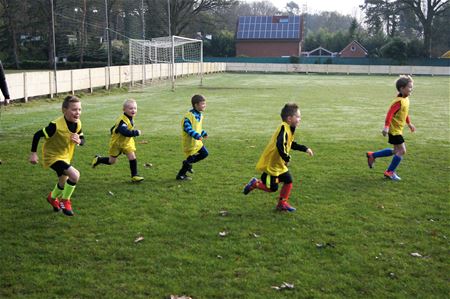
point(268, 27)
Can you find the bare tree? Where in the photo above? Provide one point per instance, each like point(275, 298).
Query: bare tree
point(13, 20)
point(426, 11)
point(182, 12)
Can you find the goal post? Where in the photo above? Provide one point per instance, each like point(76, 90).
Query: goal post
point(166, 52)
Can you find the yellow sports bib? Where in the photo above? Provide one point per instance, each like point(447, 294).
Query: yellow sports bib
point(59, 147)
point(191, 145)
point(270, 161)
point(120, 143)
point(399, 119)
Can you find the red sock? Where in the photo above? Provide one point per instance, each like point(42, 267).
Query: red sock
point(286, 191)
point(261, 186)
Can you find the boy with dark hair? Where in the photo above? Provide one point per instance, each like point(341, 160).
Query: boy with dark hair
point(396, 118)
point(275, 158)
point(192, 137)
point(61, 136)
point(122, 140)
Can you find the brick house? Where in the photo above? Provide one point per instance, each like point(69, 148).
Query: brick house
point(353, 50)
point(269, 36)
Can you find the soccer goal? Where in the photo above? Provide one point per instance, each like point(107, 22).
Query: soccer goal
point(165, 58)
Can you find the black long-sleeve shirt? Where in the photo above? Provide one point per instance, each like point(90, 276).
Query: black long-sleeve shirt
point(51, 130)
point(281, 146)
point(122, 128)
point(3, 85)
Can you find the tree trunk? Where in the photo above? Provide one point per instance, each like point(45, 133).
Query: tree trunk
point(11, 25)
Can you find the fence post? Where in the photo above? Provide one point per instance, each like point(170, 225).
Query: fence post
point(25, 91)
point(71, 82)
point(90, 81)
point(50, 88)
point(120, 76)
point(106, 78)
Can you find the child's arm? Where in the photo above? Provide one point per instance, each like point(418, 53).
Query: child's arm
point(302, 148)
point(281, 145)
point(390, 114)
point(46, 132)
point(412, 128)
point(78, 139)
point(187, 127)
point(123, 129)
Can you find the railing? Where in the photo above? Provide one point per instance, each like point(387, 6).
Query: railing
point(40, 84)
point(338, 69)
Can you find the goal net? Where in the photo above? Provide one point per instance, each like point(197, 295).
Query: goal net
point(165, 58)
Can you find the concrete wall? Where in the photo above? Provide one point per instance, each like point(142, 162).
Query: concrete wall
point(35, 84)
point(338, 69)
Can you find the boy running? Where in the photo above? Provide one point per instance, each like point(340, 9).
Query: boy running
point(275, 158)
point(61, 136)
point(396, 118)
point(192, 137)
point(122, 140)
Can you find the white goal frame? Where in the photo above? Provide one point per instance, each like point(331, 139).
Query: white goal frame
point(168, 50)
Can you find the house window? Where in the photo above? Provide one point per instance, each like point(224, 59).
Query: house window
point(353, 49)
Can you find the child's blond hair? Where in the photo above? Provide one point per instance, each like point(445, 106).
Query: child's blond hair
point(128, 101)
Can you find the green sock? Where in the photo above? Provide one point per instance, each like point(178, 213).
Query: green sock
point(57, 191)
point(68, 190)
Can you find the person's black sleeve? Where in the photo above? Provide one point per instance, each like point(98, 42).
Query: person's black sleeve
point(3, 85)
point(50, 130)
point(123, 129)
point(282, 145)
point(299, 147)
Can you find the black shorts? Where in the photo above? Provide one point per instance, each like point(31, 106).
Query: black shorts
point(396, 139)
point(60, 167)
point(272, 182)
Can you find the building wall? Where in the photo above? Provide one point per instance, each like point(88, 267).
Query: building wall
point(267, 48)
point(358, 52)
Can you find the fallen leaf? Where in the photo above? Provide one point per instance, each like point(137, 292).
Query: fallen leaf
point(111, 193)
point(139, 239)
point(148, 165)
point(223, 213)
point(416, 254)
point(1, 162)
point(223, 234)
point(283, 286)
point(254, 235)
point(219, 257)
point(324, 245)
point(179, 297)
point(143, 142)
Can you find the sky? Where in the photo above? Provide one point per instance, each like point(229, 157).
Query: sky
point(350, 7)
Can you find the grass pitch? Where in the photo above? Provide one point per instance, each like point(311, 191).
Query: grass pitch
point(352, 235)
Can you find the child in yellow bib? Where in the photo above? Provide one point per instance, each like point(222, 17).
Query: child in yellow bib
point(396, 118)
point(122, 140)
point(61, 137)
point(275, 158)
point(192, 137)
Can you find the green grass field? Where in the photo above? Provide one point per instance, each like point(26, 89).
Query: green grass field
point(371, 225)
